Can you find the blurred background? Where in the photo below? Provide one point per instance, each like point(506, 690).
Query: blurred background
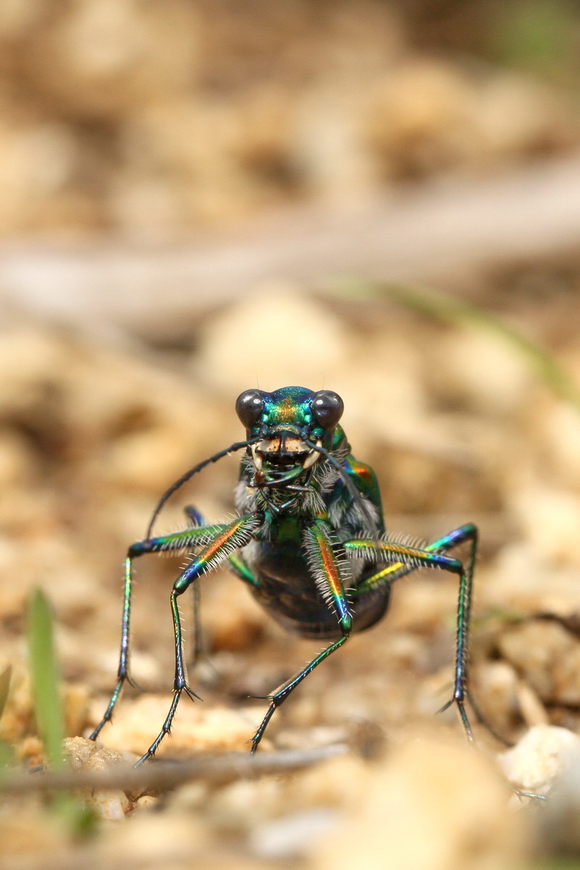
point(382, 199)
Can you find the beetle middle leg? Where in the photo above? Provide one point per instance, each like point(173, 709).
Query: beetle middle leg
point(196, 519)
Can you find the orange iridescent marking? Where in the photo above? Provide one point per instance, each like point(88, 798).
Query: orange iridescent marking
point(362, 470)
point(329, 564)
point(286, 411)
point(214, 547)
point(332, 577)
point(383, 575)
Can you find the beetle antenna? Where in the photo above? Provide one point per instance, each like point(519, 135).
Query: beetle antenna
point(192, 471)
point(354, 492)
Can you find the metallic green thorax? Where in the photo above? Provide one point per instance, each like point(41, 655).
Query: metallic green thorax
point(309, 540)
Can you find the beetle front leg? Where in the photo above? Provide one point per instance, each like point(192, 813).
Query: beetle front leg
point(236, 534)
point(332, 576)
point(180, 681)
point(123, 669)
point(164, 543)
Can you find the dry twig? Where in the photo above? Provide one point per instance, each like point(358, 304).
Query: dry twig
point(162, 775)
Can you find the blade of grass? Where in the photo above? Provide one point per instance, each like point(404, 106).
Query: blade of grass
point(6, 751)
point(7, 758)
point(458, 312)
point(45, 678)
point(4, 687)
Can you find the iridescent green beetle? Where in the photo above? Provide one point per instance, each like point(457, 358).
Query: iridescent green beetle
point(309, 541)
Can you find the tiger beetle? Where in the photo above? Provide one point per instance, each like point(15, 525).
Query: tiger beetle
point(309, 541)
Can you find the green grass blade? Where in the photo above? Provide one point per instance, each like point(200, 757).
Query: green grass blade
point(4, 687)
point(6, 751)
point(45, 678)
point(44, 673)
point(458, 312)
point(7, 759)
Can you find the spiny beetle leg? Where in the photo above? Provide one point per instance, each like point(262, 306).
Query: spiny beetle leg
point(164, 730)
point(331, 575)
point(280, 696)
point(196, 519)
point(176, 541)
point(217, 550)
point(240, 569)
point(404, 559)
point(122, 672)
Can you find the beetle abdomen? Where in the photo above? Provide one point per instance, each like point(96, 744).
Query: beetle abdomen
point(290, 595)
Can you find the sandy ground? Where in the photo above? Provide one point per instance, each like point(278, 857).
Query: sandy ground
point(458, 428)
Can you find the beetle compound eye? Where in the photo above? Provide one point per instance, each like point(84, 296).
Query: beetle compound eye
point(249, 407)
point(327, 408)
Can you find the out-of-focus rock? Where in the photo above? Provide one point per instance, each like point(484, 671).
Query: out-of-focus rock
point(417, 115)
point(27, 834)
point(533, 711)
point(196, 728)
point(550, 516)
point(82, 754)
point(231, 617)
point(157, 839)
point(518, 581)
point(557, 832)
point(560, 429)
point(17, 717)
point(483, 371)
point(547, 656)
point(273, 338)
point(541, 755)
point(516, 115)
point(497, 695)
point(430, 805)
point(76, 708)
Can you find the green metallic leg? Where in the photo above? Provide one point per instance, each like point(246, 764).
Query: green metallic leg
point(467, 532)
point(331, 573)
point(281, 694)
point(396, 570)
point(180, 681)
point(236, 562)
point(406, 559)
point(237, 566)
point(177, 541)
point(242, 572)
point(196, 519)
point(122, 671)
point(236, 534)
